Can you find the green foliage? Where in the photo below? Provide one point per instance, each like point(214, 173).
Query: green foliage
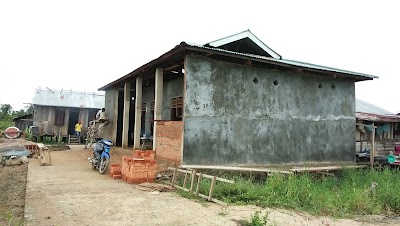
point(343, 195)
point(9, 219)
point(256, 220)
point(7, 115)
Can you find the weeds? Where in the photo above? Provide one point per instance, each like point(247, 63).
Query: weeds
point(256, 220)
point(9, 219)
point(343, 195)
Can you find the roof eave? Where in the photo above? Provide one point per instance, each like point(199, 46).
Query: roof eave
point(355, 77)
point(179, 49)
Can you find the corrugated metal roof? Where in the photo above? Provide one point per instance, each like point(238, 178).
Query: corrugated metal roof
point(377, 118)
point(287, 62)
point(181, 49)
point(67, 98)
point(365, 107)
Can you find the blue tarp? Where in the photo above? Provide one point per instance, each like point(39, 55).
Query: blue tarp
point(18, 153)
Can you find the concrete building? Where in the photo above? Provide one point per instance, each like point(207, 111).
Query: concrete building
point(235, 101)
point(57, 111)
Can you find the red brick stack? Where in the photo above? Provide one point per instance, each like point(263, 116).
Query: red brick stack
point(139, 169)
point(115, 171)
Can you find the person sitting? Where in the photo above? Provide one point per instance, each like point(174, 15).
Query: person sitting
point(101, 115)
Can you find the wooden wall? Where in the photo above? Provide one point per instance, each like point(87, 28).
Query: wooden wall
point(44, 119)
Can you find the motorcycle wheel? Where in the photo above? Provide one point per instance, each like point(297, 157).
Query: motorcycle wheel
point(93, 166)
point(103, 165)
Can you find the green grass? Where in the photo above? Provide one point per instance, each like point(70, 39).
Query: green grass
point(256, 220)
point(343, 195)
point(9, 219)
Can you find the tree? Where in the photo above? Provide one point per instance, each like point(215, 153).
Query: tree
point(6, 110)
point(28, 109)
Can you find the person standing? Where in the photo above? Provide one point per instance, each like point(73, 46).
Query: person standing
point(78, 129)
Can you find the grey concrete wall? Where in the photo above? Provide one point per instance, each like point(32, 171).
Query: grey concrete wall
point(172, 88)
point(234, 114)
point(111, 103)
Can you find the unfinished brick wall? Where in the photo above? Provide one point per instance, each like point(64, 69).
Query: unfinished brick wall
point(169, 141)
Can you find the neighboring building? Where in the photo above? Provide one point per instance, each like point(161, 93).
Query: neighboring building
point(57, 111)
point(387, 133)
point(23, 122)
point(235, 101)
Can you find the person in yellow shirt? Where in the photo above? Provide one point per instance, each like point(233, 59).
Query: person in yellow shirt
point(78, 129)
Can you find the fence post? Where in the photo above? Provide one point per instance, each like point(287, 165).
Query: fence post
point(192, 182)
point(212, 188)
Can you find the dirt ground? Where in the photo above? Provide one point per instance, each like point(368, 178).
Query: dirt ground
point(12, 186)
point(12, 193)
point(70, 193)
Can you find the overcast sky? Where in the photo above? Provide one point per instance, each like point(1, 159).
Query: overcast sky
point(83, 45)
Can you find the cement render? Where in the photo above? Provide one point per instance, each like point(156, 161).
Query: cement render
point(235, 114)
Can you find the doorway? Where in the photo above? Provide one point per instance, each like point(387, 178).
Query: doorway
point(73, 119)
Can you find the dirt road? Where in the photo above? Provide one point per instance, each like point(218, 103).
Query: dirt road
point(70, 193)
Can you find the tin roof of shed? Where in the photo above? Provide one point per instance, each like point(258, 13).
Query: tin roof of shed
point(68, 98)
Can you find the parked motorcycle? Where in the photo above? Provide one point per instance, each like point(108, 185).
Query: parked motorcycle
point(101, 156)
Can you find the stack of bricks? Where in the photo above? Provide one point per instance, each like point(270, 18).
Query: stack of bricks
point(115, 171)
point(142, 167)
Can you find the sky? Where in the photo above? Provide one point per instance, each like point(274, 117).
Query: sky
point(84, 45)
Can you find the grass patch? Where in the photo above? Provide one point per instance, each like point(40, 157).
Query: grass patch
point(9, 219)
point(256, 220)
point(343, 195)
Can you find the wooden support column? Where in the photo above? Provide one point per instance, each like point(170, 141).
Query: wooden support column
point(372, 152)
point(158, 106)
point(138, 113)
point(125, 125)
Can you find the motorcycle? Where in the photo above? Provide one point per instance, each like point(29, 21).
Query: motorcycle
point(101, 155)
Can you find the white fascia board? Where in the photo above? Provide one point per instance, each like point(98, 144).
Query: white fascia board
point(243, 35)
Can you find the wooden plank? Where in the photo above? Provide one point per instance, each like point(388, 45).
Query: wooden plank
point(219, 179)
point(210, 193)
point(214, 200)
point(172, 67)
point(198, 183)
point(192, 182)
point(184, 180)
point(372, 153)
point(236, 169)
point(174, 177)
point(180, 170)
point(204, 175)
point(324, 168)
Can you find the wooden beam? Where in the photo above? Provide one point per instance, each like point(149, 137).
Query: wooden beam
point(247, 62)
point(192, 182)
point(372, 152)
point(210, 193)
point(236, 169)
point(169, 68)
